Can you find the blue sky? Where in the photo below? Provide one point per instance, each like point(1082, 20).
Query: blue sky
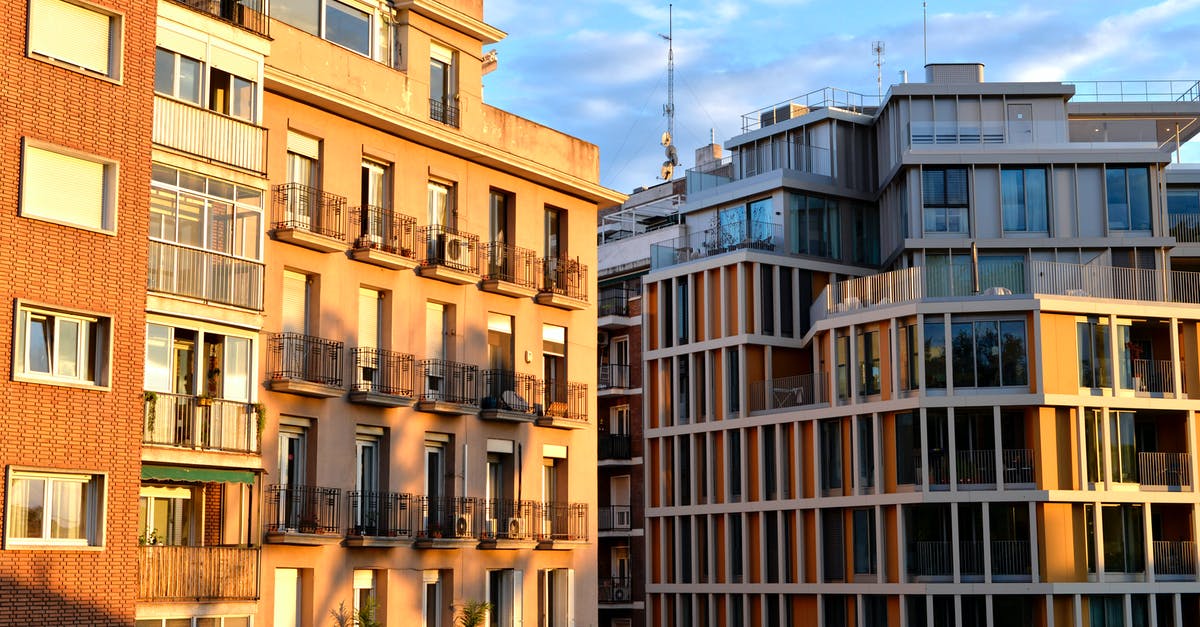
point(597, 68)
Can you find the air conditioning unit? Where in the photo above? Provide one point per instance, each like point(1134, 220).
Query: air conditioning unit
point(618, 593)
point(456, 250)
point(602, 337)
point(514, 528)
point(462, 526)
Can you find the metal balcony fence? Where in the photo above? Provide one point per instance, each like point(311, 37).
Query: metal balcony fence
point(614, 301)
point(930, 558)
point(384, 229)
point(197, 573)
point(304, 358)
point(206, 275)
point(449, 247)
point(970, 558)
point(449, 517)
point(383, 372)
point(759, 236)
point(510, 391)
point(443, 381)
point(1152, 375)
point(614, 446)
point(1010, 558)
point(511, 264)
point(1165, 469)
point(614, 376)
point(615, 518)
point(976, 466)
point(616, 589)
point(939, 467)
point(189, 421)
point(506, 519)
point(1018, 465)
point(794, 391)
point(565, 277)
point(380, 514)
point(304, 208)
point(206, 133)
point(303, 509)
point(1184, 227)
point(248, 14)
point(444, 112)
point(1174, 557)
point(562, 521)
point(567, 400)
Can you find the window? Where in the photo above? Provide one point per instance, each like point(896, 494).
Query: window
point(443, 90)
point(814, 226)
point(909, 354)
point(554, 368)
point(364, 594)
point(864, 541)
point(743, 226)
point(733, 380)
point(831, 454)
point(1183, 213)
point(866, 452)
point(558, 600)
point(868, 362)
point(504, 594)
point(1124, 545)
point(77, 35)
point(61, 347)
point(165, 515)
point(1093, 353)
point(202, 212)
point(935, 354)
point(1128, 199)
point(1023, 198)
point(841, 348)
point(180, 76)
point(194, 361)
point(989, 353)
point(431, 600)
point(945, 200)
point(89, 201)
point(52, 508)
point(348, 26)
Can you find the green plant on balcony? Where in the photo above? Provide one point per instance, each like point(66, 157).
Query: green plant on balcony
point(260, 417)
point(472, 614)
point(364, 617)
point(150, 399)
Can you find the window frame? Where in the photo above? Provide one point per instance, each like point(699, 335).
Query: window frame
point(95, 492)
point(962, 210)
point(1026, 208)
point(99, 331)
point(110, 194)
point(1125, 170)
point(116, 42)
point(999, 366)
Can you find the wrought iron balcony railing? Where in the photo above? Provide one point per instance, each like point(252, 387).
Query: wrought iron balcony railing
point(616, 589)
point(567, 400)
point(384, 229)
point(443, 381)
point(563, 522)
point(614, 301)
point(305, 358)
point(565, 277)
point(302, 509)
point(248, 14)
point(614, 446)
point(380, 514)
point(189, 421)
point(383, 372)
point(510, 391)
point(449, 517)
point(615, 518)
point(512, 264)
point(449, 247)
point(444, 112)
point(309, 209)
point(509, 520)
point(206, 275)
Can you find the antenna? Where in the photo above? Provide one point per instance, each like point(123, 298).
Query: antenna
point(668, 166)
point(877, 50)
point(925, 29)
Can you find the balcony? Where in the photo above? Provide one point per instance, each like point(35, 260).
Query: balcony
point(1017, 466)
point(197, 573)
point(930, 560)
point(616, 590)
point(308, 217)
point(450, 255)
point(382, 378)
point(614, 377)
point(186, 421)
point(509, 270)
point(1184, 227)
point(786, 392)
point(562, 525)
point(303, 514)
point(565, 404)
point(615, 518)
point(1011, 560)
point(614, 301)
point(746, 161)
point(446, 387)
point(250, 15)
point(448, 522)
point(976, 468)
point(564, 284)
point(763, 237)
point(509, 524)
point(379, 519)
point(444, 112)
point(384, 238)
point(1174, 560)
point(205, 275)
point(614, 446)
point(304, 365)
point(509, 396)
point(1165, 470)
point(209, 135)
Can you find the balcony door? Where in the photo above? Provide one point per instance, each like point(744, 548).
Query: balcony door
point(292, 477)
point(620, 362)
point(436, 328)
point(370, 337)
point(294, 318)
point(554, 368)
point(376, 196)
point(435, 485)
point(303, 168)
point(619, 498)
point(165, 515)
point(366, 482)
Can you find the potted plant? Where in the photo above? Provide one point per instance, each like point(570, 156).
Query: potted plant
point(205, 400)
point(472, 614)
point(150, 399)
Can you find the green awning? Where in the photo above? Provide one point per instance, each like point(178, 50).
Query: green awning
point(201, 475)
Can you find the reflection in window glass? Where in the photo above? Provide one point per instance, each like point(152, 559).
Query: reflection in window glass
point(348, 26)
point(935, 354)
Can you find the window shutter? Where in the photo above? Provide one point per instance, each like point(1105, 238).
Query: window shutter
point(518, 616)
point(304, 145)
point(441, 53)
point(63, 188)
point(295, 302)
point(368, 318)
point(233, 63)
point(364, 579)
point(71, 33)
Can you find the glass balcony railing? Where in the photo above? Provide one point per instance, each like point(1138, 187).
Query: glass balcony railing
point(764, 237)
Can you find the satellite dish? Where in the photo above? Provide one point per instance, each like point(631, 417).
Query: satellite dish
point(668, 170)
point(672, 155)
point(666, 138)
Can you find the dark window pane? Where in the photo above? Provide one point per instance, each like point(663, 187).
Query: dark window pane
point(962, 342)
point(987, 354)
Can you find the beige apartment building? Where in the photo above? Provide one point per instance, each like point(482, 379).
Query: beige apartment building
point(370, 367)
point(931, 360)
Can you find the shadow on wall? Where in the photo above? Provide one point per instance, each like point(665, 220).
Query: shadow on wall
point(40, 606)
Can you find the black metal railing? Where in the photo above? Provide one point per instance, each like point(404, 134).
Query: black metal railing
point(444, 381)
point(510, 391)
point(310, 209)
point(379, 514)
point(248, 14)
point(386, 230)
point(615, 518)
point(454, 249)
point(614, 376)
point(565, 277)
point(383, 372)
point(614, 301)
point(444, 112)
point(509, 520)
point(512, 264)
point(616, 589)
point(567, 400)
point(449, 517)
point(614, 446)
point(1018, 465)
point(563, 522)
point(302, 509)
point(304, 358)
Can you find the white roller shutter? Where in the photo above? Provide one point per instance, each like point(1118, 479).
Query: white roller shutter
point(234, 63)
point(72, 34)
point(63, 188)
point(183, 44)
point(368, 318)
point(304, 145)
point(295, 302)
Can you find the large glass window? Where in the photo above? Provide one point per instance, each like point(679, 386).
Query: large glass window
point(1183, 212)
point(63, 509)
point(814, 225)
point(64, 347)
point(1023, 196)
point(864, 541)
point(841, 349)
point(1124, 544)
point(1094, 340)
point(182, 77)
point(348, 26)
point(989, 353)
point(1128, 199)
point(945, 200)
point(909, 354)
point(868, 362)
point(201, 212)
point(935, 354)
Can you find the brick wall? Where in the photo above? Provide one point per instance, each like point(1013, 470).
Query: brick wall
point(51, 426)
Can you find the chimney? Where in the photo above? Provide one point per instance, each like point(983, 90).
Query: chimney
point(707, 156)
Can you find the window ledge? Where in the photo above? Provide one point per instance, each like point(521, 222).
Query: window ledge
point(26, 378)
point(76, 68)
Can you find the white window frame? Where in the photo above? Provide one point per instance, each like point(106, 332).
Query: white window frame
point(94, 490)
point(95, 328)
point(116, 30)
point(108, 207)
